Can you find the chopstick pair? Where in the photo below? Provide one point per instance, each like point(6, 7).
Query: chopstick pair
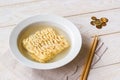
point(89, 59)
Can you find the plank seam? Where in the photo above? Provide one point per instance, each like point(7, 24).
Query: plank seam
point(20, 3)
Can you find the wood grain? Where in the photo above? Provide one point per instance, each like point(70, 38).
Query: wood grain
point(77, 11)
point(63, 8)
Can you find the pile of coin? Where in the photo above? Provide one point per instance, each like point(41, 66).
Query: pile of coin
point(99, 23)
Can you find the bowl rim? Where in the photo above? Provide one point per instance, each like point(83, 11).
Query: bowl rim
point(16, 31)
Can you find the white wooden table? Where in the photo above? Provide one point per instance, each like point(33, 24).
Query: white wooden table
point(77, 11)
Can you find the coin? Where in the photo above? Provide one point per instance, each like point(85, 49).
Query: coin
point(103, 19)
point(93, 18)
point(103, 24)
point(97, 22)
point(92, 23)
point(99, 26)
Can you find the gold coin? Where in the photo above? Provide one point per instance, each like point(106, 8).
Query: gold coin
point(103, 19)
point(93, 18)
point(92, 23)
point(99, 26)
point(103, 24)
point(97, 22)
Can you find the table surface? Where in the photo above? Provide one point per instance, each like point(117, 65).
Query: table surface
point(77, 11)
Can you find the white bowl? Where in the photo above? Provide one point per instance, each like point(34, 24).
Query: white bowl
point(69, 28)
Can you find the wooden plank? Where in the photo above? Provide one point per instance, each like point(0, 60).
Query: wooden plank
point(4, 3)
point(4, 39)
point(112, 55)
point(105, 73)
point(111, 41)
point(83, 21)
point(81, 12)
point(62, 8)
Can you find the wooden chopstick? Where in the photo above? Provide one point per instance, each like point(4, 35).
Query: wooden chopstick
point(89, 59)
